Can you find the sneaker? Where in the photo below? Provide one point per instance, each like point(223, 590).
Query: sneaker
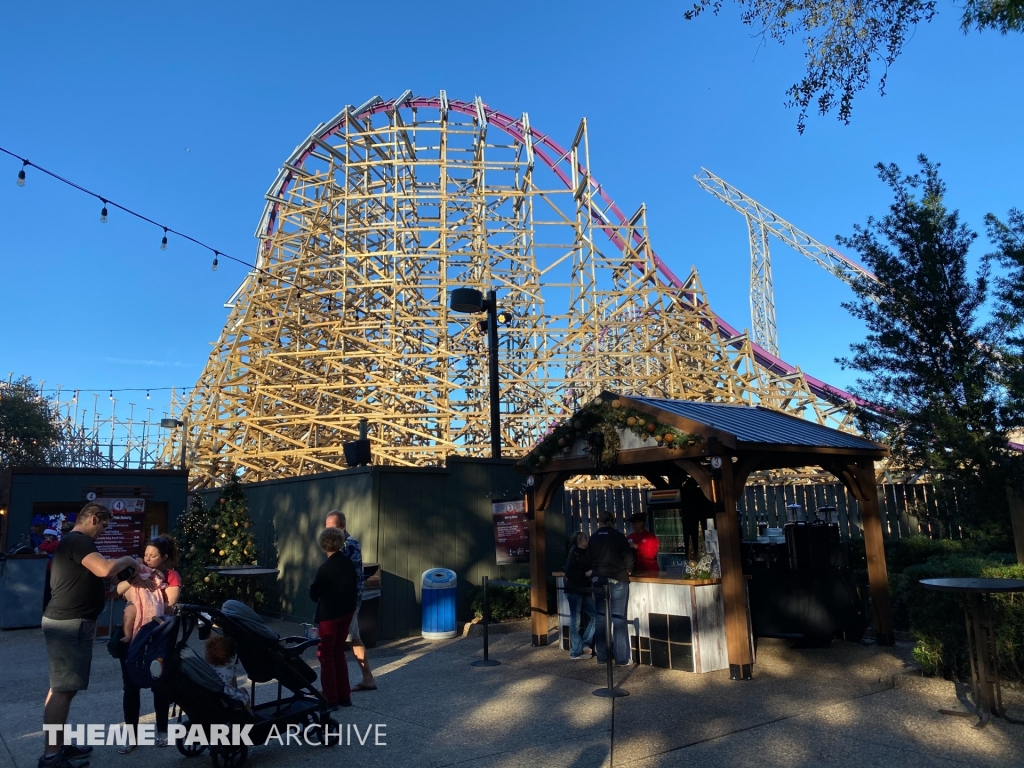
point(626, 664)
point(161, 740)
point(577, 658)
point(126, 749)
point(75, 751)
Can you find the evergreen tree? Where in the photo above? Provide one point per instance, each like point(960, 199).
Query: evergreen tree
point(931, 359)
point(195, 538)
point(234, 537)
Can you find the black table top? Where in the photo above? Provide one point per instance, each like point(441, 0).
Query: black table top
point(974, 585)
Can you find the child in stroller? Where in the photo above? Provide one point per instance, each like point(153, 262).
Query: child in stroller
point(196, 687)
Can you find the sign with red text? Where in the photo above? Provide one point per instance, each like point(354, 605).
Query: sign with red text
point(511, 531)
point(124, 535)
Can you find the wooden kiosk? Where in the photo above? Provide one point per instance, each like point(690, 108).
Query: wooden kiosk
point(714, 447)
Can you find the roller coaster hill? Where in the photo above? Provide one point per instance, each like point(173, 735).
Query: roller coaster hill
point(385, 209)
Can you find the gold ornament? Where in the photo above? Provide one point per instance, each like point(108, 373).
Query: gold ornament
point(216, 527)
point(213, 551)
point(222, 553)
point(223, 535)
point(234, 543)
point(669, 437)
point(631, 420)
point(206, 580)
point(236, 523)
point(641, 422)
point(616, 403)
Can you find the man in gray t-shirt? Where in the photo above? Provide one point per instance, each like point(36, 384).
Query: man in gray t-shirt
point(69, 624)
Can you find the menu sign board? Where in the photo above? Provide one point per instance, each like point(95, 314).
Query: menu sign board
point(511, 531)
point(124, 535)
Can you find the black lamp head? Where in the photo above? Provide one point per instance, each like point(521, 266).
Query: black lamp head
point(467, 300)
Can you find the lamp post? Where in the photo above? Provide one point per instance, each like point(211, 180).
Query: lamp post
point(174, 424)
point(472, 301)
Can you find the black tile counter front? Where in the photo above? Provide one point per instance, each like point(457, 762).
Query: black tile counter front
point(674, 623)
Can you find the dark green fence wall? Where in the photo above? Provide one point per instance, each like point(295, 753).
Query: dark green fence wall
point(407, 519)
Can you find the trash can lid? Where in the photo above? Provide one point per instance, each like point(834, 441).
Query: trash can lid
point(438, 577)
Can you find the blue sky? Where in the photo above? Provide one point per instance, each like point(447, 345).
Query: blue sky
point(185, 113)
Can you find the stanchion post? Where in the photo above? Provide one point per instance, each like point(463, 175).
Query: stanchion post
point(486, 661)
point(611, 692)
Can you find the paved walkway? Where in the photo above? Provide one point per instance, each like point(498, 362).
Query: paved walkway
point(830, 707)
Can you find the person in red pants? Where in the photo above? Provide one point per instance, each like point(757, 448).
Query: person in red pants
point(334, 590)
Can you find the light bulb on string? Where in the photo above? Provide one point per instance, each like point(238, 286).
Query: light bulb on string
point(214, 266)
point(75, 398)
point(103, 215)
point(163, 242)
point(111, 394)
point(147, 394)
point(21, 173)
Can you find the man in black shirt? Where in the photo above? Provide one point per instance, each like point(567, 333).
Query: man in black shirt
point(69, 623)
point(611, 559)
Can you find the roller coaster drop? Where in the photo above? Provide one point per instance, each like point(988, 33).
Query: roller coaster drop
point(373, 219)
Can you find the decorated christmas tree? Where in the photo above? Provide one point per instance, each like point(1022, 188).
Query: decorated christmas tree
point(234, 537)
point(221, 536)
point(195, 538)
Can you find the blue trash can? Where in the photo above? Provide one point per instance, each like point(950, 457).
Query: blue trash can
point(439, 598)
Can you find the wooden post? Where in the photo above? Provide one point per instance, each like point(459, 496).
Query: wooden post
point(860, 479)
point(1016, 505)
point(734, 586)
point(536, 508)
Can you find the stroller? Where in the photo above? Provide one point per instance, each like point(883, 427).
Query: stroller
point(196, 688)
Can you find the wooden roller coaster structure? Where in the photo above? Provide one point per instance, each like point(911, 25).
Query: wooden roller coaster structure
point(375, 217)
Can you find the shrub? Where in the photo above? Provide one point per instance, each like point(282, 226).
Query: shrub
point(936, 619)
point(504, 602)
point(901, 554)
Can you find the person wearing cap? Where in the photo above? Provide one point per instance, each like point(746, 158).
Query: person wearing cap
point(48, 546)
point(645, 544)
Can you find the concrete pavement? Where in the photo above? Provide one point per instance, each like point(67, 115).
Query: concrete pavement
point(821, 707)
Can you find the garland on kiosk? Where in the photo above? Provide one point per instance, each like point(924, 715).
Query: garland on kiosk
point(599, 423)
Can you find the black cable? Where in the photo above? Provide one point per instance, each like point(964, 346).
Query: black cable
point(166, 230)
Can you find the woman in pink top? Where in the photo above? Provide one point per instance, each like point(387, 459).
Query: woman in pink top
point(148, 598)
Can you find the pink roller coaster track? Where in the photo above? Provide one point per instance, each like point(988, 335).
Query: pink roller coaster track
point(551, 154)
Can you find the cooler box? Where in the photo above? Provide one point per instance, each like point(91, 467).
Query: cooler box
point(439, 598)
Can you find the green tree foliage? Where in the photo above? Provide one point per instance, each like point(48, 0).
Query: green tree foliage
point(195, 539)
point(1008, 237)
point(934, 363)
point(29, 430)
point(844, 38)
point(222, 536)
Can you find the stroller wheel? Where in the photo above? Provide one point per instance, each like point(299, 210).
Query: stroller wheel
point(229, 757)
point(190, 750)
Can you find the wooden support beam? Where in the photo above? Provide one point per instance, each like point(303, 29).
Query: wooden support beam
point(537, 500)
point(860, 479)
point(734, 586)
point(1016, 504)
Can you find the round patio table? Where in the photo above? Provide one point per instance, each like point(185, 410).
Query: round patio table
point(247, 580)
point(981, 642)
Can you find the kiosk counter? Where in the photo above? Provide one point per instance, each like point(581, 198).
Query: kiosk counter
point(674, 622)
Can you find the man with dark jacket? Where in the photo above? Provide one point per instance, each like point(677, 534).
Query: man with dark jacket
point(611, 560)
point(577, 594)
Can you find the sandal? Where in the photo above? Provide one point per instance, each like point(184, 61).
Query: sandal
point(364, 687)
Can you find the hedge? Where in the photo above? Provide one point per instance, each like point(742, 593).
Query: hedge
point(936, 619)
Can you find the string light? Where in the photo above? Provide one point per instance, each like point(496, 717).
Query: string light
point(167, 230)
point(147, 394)
point(75, 398)
point(111, 394)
